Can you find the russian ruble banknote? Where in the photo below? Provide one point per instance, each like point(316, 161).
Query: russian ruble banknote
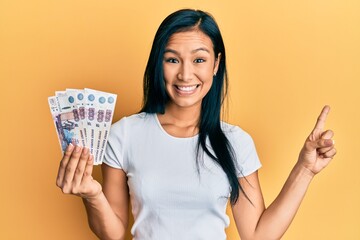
point(83, 117)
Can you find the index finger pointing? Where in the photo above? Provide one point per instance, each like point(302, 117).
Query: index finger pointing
point(320, 123)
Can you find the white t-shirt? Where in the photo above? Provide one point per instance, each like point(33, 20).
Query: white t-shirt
point(170, 198)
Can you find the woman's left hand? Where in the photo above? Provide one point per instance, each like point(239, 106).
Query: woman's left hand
point(318, 149)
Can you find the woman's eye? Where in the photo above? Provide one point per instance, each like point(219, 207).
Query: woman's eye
point(171, 60)
point(199, 60)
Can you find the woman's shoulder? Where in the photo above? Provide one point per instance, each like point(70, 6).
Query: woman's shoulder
point(133, 120)
point(234, 132)
point(230, 128)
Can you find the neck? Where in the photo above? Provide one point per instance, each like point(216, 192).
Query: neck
point(180, 122)
point(183, 115)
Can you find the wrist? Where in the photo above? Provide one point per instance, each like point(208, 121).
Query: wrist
point(304, 171)
point(93, 198)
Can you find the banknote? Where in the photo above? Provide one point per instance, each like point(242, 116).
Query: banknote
point(70, 119)
point(78, 96)
point(92, 126)
point(83, 117)
point(55, 112)
point(109, 113)
point(101, 121)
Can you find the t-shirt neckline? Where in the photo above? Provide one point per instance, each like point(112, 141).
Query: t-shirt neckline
point(169, 135)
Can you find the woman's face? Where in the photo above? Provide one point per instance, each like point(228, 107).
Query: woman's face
point(189, 66)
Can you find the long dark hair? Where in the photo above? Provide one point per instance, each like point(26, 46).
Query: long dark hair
point(155, 96)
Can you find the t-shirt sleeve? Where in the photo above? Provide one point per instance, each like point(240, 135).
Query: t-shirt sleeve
point(247, 160)
point(114, 152)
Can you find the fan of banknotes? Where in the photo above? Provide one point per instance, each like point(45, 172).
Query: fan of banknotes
point(83, 117)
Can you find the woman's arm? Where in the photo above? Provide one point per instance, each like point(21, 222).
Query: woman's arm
point(253, 220)
point(107, 212)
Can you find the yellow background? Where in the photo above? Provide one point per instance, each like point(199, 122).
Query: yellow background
point(286, 60)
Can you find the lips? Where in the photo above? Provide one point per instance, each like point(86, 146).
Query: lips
point(186, 89)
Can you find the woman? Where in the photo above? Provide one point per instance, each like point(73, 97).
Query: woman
point(177, 162)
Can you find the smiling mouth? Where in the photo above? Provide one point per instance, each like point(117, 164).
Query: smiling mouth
point(187, 89)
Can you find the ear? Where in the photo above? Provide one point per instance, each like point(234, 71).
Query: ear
point(217, 63)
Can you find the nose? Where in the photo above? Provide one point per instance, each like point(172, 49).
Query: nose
point(186, 71)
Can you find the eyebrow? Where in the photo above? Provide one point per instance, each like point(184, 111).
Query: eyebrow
point(193, 51)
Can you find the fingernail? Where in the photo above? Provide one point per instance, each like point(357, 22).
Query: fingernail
point(329, 142)
point(86, 150)
point(70, 146)
point(78, 148)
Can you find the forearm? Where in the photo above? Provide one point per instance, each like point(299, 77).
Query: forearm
point(277, 217)
point(102, 219)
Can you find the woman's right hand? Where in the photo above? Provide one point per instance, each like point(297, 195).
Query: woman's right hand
point(75, 173)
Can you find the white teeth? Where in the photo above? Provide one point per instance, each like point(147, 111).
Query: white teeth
point(186, 89)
